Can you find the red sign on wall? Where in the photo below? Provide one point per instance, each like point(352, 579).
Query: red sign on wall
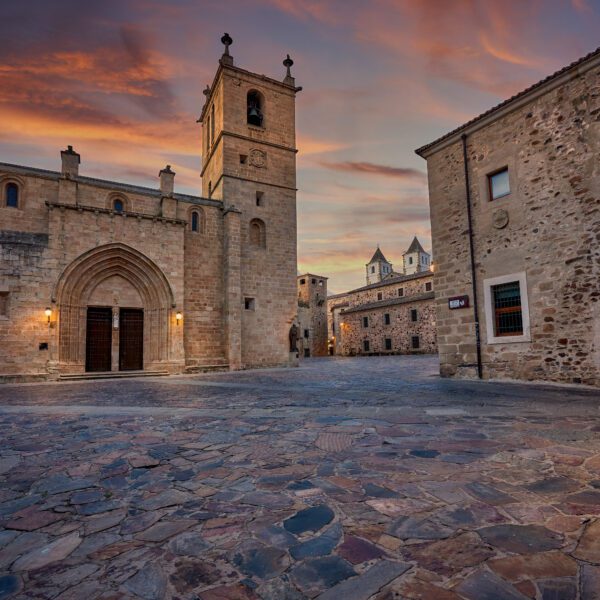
point(458, 302)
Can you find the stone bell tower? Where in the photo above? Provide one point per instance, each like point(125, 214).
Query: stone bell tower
point(249, 164)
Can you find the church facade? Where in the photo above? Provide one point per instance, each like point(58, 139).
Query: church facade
point(101, 276)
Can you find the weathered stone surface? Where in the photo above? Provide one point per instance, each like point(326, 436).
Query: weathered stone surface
point(521, 539)
point(164, 499)
point(263, 562)
point(104, 521)
point(163, 530)
point(588, 548)
point(319, 546)
point(237, 591)
point(416, 589)
point(318, 574)
point(377, 491)
point(483, 585)
point(274, 501)
point(61, 483)
point(9, 585)
point(140, 522)
point(149, 583)
point(558, 589)
point(53, 552)
point(356, 550)
point(489, 494)
point(423, 529)
point(190, 574)
point(189, 543)
point(334, 442)
point(277, 589)
point(276, 536)
point(590, 582)
point(309, 519)
point(450, 556)
point(534, 566)
point(367, 584)
point(553, 485)
point(34, 520)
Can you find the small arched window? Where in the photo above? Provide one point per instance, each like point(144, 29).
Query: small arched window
point(195, 221)
point(257, 233)
point(254, 108)
point(12, 195)
point(118, 205)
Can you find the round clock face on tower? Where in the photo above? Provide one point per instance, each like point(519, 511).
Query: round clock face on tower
point(258, 158)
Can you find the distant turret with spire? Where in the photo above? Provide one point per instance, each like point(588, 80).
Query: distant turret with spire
point(378, 267)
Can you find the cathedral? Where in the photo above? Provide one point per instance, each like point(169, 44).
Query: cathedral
point(104, 277)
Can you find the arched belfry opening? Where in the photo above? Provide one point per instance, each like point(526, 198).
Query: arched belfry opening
point(114, 309)
point(255, 108)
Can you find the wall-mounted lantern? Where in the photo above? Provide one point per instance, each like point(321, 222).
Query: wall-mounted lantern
point(178, 317)
point(48, 313)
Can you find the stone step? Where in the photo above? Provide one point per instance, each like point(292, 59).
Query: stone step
point(111, 375)
point(207, 368)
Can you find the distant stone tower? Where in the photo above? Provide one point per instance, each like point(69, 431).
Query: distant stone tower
point(415, 259)
point(378, 267)
point(249, 163)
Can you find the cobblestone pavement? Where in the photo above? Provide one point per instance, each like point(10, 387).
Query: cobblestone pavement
point(345, 479)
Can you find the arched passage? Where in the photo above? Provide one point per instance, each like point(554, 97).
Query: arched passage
point(115, 277)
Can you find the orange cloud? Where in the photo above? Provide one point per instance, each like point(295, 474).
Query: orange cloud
point(368, 168)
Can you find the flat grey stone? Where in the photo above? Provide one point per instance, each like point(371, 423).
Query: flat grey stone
point(309, 519)
point(165, 529)
point(189, 543)
point(521, 539)
point(58, 484)
point(167, 498)
point(149, 583)
point(407, 528)
point(319, 546)
point(590, 582)
point(564, 588)
point(369, 583)
point(488, 493)
point(53, 552)
point(277, 536)
point(318, 574)
point(264, 563)
point(277, 589)
point(484, 585)
point(267, 500)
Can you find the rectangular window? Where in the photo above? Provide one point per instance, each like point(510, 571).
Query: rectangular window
point(313, 281)
point(506, 309)
point(3, 304)
point(400, 292)
point(499, 184)
point(372, 269)
point(366, 345)
point(410, 260)
point(259, 198)
point(249, 303)
point(415, 342)
point(243, 159)
point(388, 343)
point(413, 314)
point(379, 296)
point(306, 352)
point(386, 318)
point(365, 321)
point(508, 316)
point(428, 286)
point(306, 333)
point(302, 281)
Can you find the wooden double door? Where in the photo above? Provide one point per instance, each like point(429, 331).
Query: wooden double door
point(99, 339)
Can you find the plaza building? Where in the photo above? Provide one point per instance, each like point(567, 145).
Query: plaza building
point(103, 276)
point(312, 315)
point(515, 216)
point(393, 314)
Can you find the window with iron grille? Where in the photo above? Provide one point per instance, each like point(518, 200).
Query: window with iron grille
point(386, 318)
point(379, 296)
point(428, 286)
point(413, 314)
point(400, 292)
point(508, 315)
point(388, 343)
point(415, 342)
point(365, 321)
point(366, 345)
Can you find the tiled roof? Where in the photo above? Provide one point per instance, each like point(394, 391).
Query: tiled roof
point(390, 302)
point(596, 53)
point(378, 256)
point(415, 246)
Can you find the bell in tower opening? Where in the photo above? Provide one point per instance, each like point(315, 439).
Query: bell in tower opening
point(254, 107)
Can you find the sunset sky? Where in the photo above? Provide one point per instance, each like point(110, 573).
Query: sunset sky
point(122, 80)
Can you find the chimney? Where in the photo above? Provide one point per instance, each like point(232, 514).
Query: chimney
point(167, 178)
point(70, 162)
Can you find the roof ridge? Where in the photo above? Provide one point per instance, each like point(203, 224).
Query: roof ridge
point(508, 101)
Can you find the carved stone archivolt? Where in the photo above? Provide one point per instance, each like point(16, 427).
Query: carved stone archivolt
point(78, 281)
point(258, 158)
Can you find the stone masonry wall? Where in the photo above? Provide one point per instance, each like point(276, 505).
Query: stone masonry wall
point(551, 148)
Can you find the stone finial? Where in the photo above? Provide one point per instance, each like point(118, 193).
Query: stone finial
point(70, 162)
point(167, 181)
point(206, 91)
point(226, 58)
point(287, 63)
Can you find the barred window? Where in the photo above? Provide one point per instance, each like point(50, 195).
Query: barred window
point(508, 315)
point(414, 316)
point(379, 296)
point(386, 318)
point(388, 343)
point(415, 342)
point(400, 292)
point(428, 286)
point(366, 345)
point(365, 321)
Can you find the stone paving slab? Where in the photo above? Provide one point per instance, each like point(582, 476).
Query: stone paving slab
point(366, 479)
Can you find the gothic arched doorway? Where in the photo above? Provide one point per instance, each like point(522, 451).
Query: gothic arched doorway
point(114, 307)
